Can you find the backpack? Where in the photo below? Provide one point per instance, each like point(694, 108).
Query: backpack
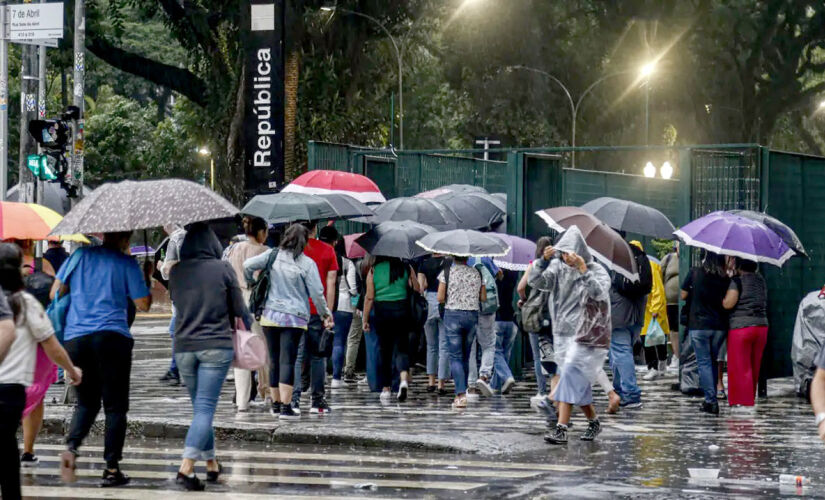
point(260, 289)
point(637, 289)
point(489, 306)
point(39, 284)
point(534, 313)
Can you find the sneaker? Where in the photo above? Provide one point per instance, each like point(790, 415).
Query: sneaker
point(29, 460)
point(349, 378)
point(296, 407)
point(535, 400)
point(167, 376)
point(484, 387)
point(431, 388)
point(651, 375)
point(363, 382)
point(114, 479)
point(594, 428)
point(385, 397)
point(712, 408)
point(189, 483)
point(473, 395)
point(337, 383)
point(557, 435)
point(546, 408)
point(402, 391)
point(275, 409)
point(442, 391)
point(288, 413)
point(320, 407)
point(674, 365)
point(631, 406)
point(213, 475)
point(508, 385)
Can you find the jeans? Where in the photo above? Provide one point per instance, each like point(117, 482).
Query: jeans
point(308, 347)
point(203, 372)
point(392, 321)
point(505, 335)
point(283, 351)
point(12, 402)
point(173, 367)
point(356, 331)
point(106, 361)
point(745, 348)
point(623, 365)
point(438, 355)
point(373, 354)
point(343, 320)
point(460, 327)
point(541, 380)
point(486, 339)
point(706, 344)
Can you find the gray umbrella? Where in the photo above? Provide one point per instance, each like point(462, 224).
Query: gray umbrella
point(346, 206)
point(281, 208)
point(54, 196)
point(464, 243)
point(783, 230)
point(421, 210)
point(631, 217)
point(130, 205)
point(475, 210)
point(395, 239)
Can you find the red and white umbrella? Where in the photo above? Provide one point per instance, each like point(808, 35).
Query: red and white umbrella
point(336, 182)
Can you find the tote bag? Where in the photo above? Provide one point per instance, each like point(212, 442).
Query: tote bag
point(250, 348)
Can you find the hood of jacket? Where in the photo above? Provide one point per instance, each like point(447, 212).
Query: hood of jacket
point(572, 241)
point(200, 243)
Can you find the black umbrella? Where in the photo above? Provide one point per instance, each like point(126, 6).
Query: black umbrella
point(282, 208)
point(464, 243)
point(474, 209)
point(783, 230)
point(421, 210)
point(347, 207)
point(631, 217)
point(130, 205)
point(395, 239)
point(451, 188)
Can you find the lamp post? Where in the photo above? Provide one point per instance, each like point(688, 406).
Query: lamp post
point(205, 152)
point(646, 71)
point(398, 57)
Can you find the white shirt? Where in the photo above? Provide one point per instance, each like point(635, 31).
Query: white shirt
point(347, 287)
point(32, 327)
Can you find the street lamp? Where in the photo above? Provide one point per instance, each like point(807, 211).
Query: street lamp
point(649, 170)
point(821, 104)
point(334, 9)
point(666, 170)
point(645, 73)
point(203, 151)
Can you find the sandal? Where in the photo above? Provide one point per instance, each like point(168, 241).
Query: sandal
point(460, 403)
point(68, 465)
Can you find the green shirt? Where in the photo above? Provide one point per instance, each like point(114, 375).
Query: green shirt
point(384, 290)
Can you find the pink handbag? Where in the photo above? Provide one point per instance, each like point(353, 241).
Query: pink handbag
point(250, 348)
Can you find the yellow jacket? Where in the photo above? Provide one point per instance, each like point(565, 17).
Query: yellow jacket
point(656, 300)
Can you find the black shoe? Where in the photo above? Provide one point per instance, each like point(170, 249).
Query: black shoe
point(212, 475)
point(275, 408)
point(594, 428)
point(167, 376)
point(712, 408)
point(288, 413)
point(29, 460)
point(442, 391)
point(320, 407)
point(174, 381)
point(557, 435)
point(190, 483)
point(349, 378)
point(431, 388)
point(114, 479)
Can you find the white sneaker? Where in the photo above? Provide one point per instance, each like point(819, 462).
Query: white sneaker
point(484, 387)
point(473, 396)
point(508, 385)
point(651, 375)
point(402, 391)
point(385, 397)
point(535, 400)
point(337, 383)
point(363, 381)
point(674, 364)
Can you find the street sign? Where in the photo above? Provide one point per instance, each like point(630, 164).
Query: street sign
point(48, 42)
point(39, 166)
point(35, 21)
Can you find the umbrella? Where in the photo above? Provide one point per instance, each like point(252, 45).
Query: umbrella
point(729, 234)
point(28, 221)
point(451, 188)
point(281, 208)
point(605, 243)
point(353, 249)
point(475, 210)
point(130, 205)
point(141, 251)
point(346, 206)
point(630, 217)
point(395, 239)
point(336, 182)
point(54, 196)
point(421, 210)
point(522, 252)
point(464, 243)
point(785, 232)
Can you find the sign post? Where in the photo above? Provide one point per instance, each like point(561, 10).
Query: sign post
point(4, 106)
point(35, 21)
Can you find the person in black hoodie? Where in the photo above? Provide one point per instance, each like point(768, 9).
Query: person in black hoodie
point(207, 296)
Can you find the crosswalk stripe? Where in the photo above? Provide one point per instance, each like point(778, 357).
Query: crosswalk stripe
point(332, 468)
point(128, 493)
point(282, 479)
point(349, 458)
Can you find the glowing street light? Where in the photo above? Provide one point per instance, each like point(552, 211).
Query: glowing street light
point(645, 73)
point(648, 69)
point(666, 170)
point(822, 104)
point(650, 170)
point(203, 151)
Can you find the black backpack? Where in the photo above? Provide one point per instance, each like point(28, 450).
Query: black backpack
point(39, 284)
point(260, 289)
point(637, 289)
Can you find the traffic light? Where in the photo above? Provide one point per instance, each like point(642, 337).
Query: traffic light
point(50, 134)
point(39, 166)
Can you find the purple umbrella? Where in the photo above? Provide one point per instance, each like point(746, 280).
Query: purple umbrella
point(521, 253)
point(729, 234)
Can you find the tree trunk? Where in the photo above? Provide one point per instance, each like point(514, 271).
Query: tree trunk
point(292, 69)
point(232, 184)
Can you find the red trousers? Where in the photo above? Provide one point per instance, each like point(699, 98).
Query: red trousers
point(745, 348)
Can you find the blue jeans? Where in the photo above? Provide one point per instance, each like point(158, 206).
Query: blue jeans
point(623, 366)
point(486, 340)
point(173, 367)
point(460, 327)
point(343, 320)
point(707, 343)
point(308, 347)
point(373, 355)
point(541, 380)
point(203, 373)
point(438, 355)
point(505, 335)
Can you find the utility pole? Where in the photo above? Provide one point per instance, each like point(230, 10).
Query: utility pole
point(78, 94)
point(4, 104)
point(28, 112)
point(39, 197)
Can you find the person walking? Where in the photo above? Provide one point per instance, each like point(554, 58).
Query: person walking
point(704, 288)
point(356, 329)
point(670, 278)
point(98, 341)
point(346, 289)
point(294, 280)
point(172, 256)
point(655, 310)
point(461, 290)
point(747, 301)
point(438, 357)
point(579, 302)
point(480, 377)
point(389, 283)
point(255, 230)
point(506, 331)
point(25, 330)
point(817, 392)
point(534, 337)
point(207, 297)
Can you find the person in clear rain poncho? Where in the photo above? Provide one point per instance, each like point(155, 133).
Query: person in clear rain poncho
point(579, 304)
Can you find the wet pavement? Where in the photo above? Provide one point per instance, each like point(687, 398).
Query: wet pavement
point(422, 448)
